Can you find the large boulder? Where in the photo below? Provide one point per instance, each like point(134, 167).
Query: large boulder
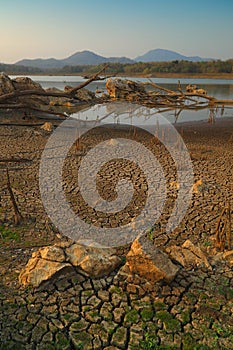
point(48, 261)
point(8, 85)
point(148, 261)
point(25, 83)
point(96, 262)
point(42, 266)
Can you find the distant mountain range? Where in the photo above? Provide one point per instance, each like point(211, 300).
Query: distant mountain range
point(77, 59)
point(161, 55)
point(91, 58)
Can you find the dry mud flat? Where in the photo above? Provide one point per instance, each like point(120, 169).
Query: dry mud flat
point(120, 311)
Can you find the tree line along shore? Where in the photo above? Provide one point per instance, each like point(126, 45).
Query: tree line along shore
point(210, 69)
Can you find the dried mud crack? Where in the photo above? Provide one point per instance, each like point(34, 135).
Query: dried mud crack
point(120, 311)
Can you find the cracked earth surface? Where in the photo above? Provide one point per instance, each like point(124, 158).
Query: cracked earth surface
point(120, 311)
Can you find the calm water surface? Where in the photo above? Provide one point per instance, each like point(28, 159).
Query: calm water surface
point(219, 88)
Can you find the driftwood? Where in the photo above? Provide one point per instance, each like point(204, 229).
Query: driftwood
point(70, 94)
point(163, 98)
point(7, 103)
point(160, 97)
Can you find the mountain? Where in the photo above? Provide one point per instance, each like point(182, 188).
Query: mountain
point(83, 58)
point(41, 63)
point(161, 55)
point(77, 59)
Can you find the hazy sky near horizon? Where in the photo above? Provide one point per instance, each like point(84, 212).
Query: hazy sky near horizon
point(59, 28)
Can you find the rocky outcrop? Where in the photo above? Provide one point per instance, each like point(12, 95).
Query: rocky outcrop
point(188, 255)
point(48, 261)
point(148, 261)
point(8, 85)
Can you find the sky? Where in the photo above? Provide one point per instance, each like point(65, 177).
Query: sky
point(59, 28)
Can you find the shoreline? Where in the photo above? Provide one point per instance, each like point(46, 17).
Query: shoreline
point(225, 76)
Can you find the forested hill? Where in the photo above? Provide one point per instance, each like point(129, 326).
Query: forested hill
point(144, 68)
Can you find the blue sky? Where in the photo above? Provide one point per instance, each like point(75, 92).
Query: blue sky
point(53, 28)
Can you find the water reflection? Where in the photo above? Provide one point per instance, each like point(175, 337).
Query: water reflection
point(110, 114)
point(219, 88)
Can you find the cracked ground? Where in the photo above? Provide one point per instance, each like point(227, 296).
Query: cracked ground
point(121, 311)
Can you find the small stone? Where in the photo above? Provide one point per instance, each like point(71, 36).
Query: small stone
point(47, 126)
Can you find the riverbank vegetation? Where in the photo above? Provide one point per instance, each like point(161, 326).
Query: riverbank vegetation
point(214, 69)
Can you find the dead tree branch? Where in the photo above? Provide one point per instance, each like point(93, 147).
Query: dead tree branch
point(69, 94)
point(17, 216)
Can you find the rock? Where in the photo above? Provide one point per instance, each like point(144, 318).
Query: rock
point(48, 261)
point(148, 261)
point(47, 126)
point(39, 270)
point(82, 94)
point(53, 253)
point(59, 101)
point(6, 85)
point(112, 142)
point(197, 186)
point(96, 262)
point(118, 88)
point(99, 265)
point(188, 255)
point(25, 83)
point(195, 90)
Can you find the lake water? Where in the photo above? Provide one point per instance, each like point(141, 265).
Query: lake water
point(219, 88)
